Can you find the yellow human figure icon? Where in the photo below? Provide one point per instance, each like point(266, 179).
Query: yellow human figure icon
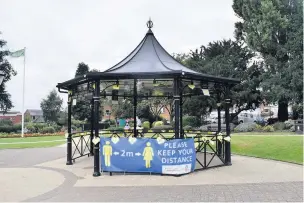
point(107, 153)
point(148, 154)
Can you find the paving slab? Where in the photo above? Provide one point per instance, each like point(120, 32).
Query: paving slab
point(243, 170)
point(40, 175)
point(14, 158)
point(18, 184)
point(258, 192)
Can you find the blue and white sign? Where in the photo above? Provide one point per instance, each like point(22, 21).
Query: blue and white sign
point(147, 155)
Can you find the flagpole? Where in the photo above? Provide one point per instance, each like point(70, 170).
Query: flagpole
point(22, 130)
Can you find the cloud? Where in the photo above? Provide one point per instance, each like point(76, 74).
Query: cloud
point(60, 34)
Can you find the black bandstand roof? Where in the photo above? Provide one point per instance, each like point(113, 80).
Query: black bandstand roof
point(149, 60)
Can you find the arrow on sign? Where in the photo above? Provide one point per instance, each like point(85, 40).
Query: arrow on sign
point(137, 154)
point(116, 153)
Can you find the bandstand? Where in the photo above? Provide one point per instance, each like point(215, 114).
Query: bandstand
point(149, 67)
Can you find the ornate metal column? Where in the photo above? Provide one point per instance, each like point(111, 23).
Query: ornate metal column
point(181, 116)
point(69, 137)
point(219, 123)
point(135, 107)
point(176, 97)
point(227, 120)
point(96, 98)
point(92, 128)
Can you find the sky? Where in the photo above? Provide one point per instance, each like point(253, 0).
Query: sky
point(60, 34)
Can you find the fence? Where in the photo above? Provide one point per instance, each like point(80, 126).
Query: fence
point(81, 145)
point(209, 146)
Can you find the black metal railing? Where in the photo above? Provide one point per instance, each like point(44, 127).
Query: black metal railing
point(209, 146)
point(209, 149)
point(80, 145)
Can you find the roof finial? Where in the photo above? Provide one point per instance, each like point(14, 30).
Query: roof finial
point(150, 23)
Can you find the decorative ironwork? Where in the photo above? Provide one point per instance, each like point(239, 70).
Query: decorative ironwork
point(208, 156)
point(80, 145)
point(149, 23)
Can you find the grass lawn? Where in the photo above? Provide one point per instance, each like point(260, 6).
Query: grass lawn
point(31, 142)
point(283, 148)
point(276, 133)
point(270, 146)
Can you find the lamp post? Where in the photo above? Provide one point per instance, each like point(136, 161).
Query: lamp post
point(2, 75)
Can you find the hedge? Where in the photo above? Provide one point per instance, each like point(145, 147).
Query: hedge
point(191, 121)
point(10, 129)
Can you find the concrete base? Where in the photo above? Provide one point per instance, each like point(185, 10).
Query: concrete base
point(69, 163)
point(96, 174)
point(243, 170)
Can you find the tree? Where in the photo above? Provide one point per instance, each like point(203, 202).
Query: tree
point(82, 110)
point(274, 29)
point(197, 106)
point(124, 109)
point(155, 105)
point(227, 58)
point(5, 98)
point(51, 107)
point(63, 118)
point(169, 106)
point(82, 69)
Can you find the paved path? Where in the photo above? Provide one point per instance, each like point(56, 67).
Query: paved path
point(41, 175)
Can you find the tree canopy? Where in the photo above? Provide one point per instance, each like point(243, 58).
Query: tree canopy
point(82, 110)
point(51, 107)
point(124, 109)
point(5, 99)
point(226, 58)
point(274, 29)
point(82, 69)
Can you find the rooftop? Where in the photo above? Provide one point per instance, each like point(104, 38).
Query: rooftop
point(149, 60)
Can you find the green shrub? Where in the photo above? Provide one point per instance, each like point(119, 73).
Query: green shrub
point(48, 129)
point(31, 129)
point(110, 122)
point(187, 127)
point(246, 127)
point(279, 126)
point(116, 129)
point(6, 122)
point(57, 127)
point(204, 128)
point(268, 128)
point(161, 128)
point(17, 128)
point(78, 129)
point(6, 129)
point(77, 123)
point(259, 128)
point(292, 129)
point(113, 122)
point(74, 127)
point(10, 129)
point(39, 126)
point(146, 125)
point(232, 126)
point(191, 121)
point(157, 123)
point(288, 124)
